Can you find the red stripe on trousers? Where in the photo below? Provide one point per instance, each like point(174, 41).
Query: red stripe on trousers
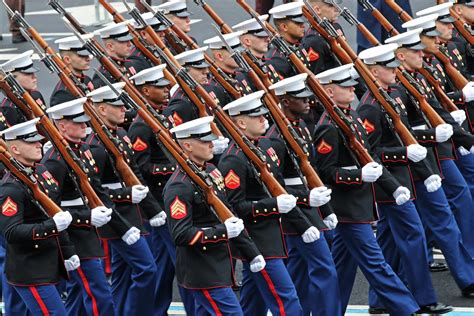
point(95, 309)
point(39, 300)
point(274, 292)
point(213, 303)
point(105, 246)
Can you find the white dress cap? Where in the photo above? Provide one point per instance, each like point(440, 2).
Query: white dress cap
point(116, 31)
point(199, 128)
point(150, 20)
point(71, 110)
point(106, 95)
point(340, 75)
point(427, 23)
point(443, 11)
point(292, 11)
point(252, 26)
point(250, 104)
point(22, 63)
point(294, 86)
point(152, 76)
point(383, 55)
point(410, 39)
point(72, 43)
point(175, 7)
point(233, 39)
point(25, 131)
point(193, 58)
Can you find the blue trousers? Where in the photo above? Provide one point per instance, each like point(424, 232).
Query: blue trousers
point(459, 197)
point(401, 237)
point(437, 217)
point(355, 245)
point(270, 288)
point(163, 250)
point(466, 166)
point(42, 300)
point(133, 277)
point(215, 302)
point(88, 291)
point(313, 272)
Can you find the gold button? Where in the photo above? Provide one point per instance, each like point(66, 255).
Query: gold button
point(204, 248)
point(357, 179)
point(274, 209)
point(46, 234)
point(128, 196)
point(265, 210)
point(223, 235)
point(348, 178)
point(205, 237)
point(119, 196)
point(215, 237)
point(37, 235)
point(54, 231)
point(78, 220)
point(87, 221)
point(340, 178)
point(257, 211)
point(164, 169)
point(36, 246)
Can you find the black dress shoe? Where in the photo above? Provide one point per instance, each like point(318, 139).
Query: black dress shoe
point(18, 38)
point(468, 291)
point(377, 310)
point(438, 308)
point(438, 266)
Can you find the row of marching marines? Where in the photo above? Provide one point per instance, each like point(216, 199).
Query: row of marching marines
point(275, 144)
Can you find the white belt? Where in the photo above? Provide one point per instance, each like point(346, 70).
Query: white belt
point(420, 127)
point(293, 181)
point(349, 167)
point(75, 202)
point(116, 185)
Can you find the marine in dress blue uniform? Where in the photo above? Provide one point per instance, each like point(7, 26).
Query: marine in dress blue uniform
point(200, 238)
point(133, 266)
point(400, 232)
point(156, 169)
point(353, 200)
point(273, 288)
point(431, 201)
point(88, 290)
point(310, 264)
point(38, 248)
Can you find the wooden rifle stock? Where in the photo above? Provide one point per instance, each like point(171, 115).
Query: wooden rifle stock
point(457, 78)
point(445, 101)
point(9, 93)
point(14, 166)
point(334, 112)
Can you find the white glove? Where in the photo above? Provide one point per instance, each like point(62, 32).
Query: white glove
point(319, 196)
point(139, 192)
point(468, 91)
point(371, 172)
point(47, 146)
point(443, 132)
point(72, 263)
point(311, 234)
point(432, 183)
point(285, 203)
point(62, 220)
point(100, 216)
point(267, 125)
point(463, 151)
point(331, 221)
point(459, 116)
point(220, 145)
point(131, 236)
point(401, 195)
point(416, 152)
point(257, 264)
point(158, 220)
point(234, 226)
point(472, 150)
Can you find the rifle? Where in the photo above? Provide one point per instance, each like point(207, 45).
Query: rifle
point(347, 55)
point(403, 76)
point(426, 70)
point(199, 177)
point(9, 93)
point(457, 78)
point(177, 34)
point(297, 146)
point(460, 24)
point(336, 114)
point(26, 176)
